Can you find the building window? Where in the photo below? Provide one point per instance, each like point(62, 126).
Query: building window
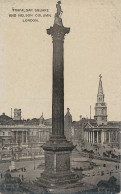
point(102, 110)
point(3, 133)
point(9, 133)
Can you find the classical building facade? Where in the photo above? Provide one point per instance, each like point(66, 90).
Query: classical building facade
point(23, 136)
point(97, 131)
point(106, 134)
point(102, 131)
point(23, 133)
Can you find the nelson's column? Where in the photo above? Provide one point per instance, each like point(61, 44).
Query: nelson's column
point(57, 150)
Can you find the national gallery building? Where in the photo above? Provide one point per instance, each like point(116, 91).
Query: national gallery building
point(16, 132)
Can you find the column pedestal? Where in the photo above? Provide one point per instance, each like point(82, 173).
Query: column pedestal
point(57, 171)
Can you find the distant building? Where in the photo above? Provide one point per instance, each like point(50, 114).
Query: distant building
point(78, 130)
point(17, 114)
point(41, 119)
point(97, 131)
point(101, 131)
point(48, 122)
point(5, 120)
point(102, 134)
point(21, 135)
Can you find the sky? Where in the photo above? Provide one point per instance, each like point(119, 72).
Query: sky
point(92, 47)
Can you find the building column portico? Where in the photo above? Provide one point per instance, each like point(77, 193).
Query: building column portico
point(97, 137)
point(22, 139)
point(93, 137)
point(102, 137)
point(109, 136)
point(89, 136)
point(39, 136)
point(26, 137)
point(17, 137)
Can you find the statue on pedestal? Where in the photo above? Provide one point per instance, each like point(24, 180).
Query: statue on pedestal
point(58, 20)
point(59, 10)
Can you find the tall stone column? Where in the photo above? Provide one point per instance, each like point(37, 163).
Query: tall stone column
point(57, 150)
point(58, 33)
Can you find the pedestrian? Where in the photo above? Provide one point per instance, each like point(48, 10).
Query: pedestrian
point(110, 173)
point(19, 175)
point(22, 177)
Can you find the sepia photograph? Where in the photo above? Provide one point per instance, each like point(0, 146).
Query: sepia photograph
point(60, 96)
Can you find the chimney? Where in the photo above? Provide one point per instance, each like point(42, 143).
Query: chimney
point(11, 112)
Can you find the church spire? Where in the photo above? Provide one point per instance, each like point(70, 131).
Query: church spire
point(100, 95)
point(100, 107)
point(100, 88)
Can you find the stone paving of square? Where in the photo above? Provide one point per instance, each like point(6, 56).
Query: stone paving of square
point(92, 176)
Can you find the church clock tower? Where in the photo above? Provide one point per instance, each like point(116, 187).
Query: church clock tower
point(100, 106)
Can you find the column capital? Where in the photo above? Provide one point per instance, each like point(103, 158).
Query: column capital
point(58, 32)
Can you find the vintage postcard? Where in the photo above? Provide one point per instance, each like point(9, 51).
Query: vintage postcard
point(60, 96)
